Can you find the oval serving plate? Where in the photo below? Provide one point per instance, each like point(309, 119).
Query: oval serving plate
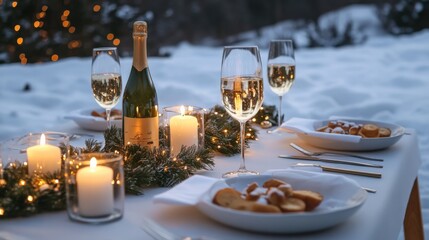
point(365, 144)
point(342, 198)
point(85, 120)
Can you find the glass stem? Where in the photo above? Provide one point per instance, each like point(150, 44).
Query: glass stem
point(108, 117)
point(279, 122)
point(242, 138)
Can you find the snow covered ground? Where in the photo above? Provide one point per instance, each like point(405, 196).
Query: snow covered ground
point(384, 79)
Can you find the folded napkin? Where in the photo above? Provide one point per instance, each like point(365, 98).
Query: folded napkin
point(306, 126)
point(192, 189)
point(187, 192)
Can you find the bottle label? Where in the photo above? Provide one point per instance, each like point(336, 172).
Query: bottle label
point(141, 131)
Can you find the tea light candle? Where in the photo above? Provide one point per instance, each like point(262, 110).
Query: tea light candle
point(183, 131)
point(44, 157)
point(95, 190)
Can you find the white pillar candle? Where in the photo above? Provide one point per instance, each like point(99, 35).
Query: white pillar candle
point(95, 190)
point(183, 131)
point(44, 157)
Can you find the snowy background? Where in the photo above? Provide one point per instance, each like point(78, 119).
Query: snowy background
point(386, 79)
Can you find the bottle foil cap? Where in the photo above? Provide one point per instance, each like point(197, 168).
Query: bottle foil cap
point(140, 28)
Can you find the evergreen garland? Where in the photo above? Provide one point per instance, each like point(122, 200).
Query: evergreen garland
point(23, 195)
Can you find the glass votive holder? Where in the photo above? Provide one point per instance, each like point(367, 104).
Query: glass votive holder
point(184, 126)
point(44, 151)
point(95, 187)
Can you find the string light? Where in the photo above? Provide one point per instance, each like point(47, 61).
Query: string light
point(1, 211)
point(21, 182)
point(110, 36)
point(116, 42)
point(30, 198)
point(41, 15)
point(19, 40)
point(14, 4)
point(36, 24)
point(54, 57)
point(44, 8)
point(66, 13)
point(17, 27)
point(96, 8)
point(72, 29)
point(66, 24)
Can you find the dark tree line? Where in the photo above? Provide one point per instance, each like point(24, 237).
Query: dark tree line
point(43, 30)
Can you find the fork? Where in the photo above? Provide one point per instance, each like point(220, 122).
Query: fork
point(310, 153)
point(158, 232)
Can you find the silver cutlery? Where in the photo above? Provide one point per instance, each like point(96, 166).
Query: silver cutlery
point(159, 232)
point(370, 190)
point(328, 160)
point(340, 170)
point(310, 153)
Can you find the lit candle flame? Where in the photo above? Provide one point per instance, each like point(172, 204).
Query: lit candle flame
point(93, 163)
point(182, 110)
point(42, 139)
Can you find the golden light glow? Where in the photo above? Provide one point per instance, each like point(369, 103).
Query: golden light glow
point(36, 24)
point(19, 40)
point(30, 198)
point(63, 18)
point(17, 27)
point(23, 60)
point(73, 44)
point(41, 15)
point(56, 181)
point(66, 24)
point(96, 8)
point(22, 55)
point(118, 182)
point(21, 182)
point(1, 211)
point(72, 29)
point(66, 13)
point(116, 42)
point(41, 182)
point(14, 3)
point(54, 57)
point(110, 36)
point(44, 8)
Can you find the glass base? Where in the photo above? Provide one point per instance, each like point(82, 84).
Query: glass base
point(277, 131)
point(239, 173)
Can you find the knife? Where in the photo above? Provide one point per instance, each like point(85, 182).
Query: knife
point(329, 160)
point(340, 170)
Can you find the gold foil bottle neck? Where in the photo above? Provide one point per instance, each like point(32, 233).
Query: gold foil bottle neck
point(140, 28)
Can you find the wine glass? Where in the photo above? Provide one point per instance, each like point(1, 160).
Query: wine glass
point(242, 91)
point(106, 81)
point(281, 70)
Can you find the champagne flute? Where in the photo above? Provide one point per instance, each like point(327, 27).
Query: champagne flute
point(242, 91)
point(281, 70)
point(106, 81)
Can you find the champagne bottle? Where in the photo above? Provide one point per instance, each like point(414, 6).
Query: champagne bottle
point(140, 102)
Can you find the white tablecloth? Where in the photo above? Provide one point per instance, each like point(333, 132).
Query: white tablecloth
point(381, 217)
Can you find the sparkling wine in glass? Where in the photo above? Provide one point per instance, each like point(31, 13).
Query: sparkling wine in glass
point(242, 91)
point(106, 82)
point(281, 69)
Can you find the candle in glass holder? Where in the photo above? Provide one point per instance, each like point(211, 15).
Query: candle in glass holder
point(44, 157)
point(183, 131)
point(95, 190)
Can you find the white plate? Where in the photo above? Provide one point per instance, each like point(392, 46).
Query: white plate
point(85, 120)
point(365, 144)
point(342, 198)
